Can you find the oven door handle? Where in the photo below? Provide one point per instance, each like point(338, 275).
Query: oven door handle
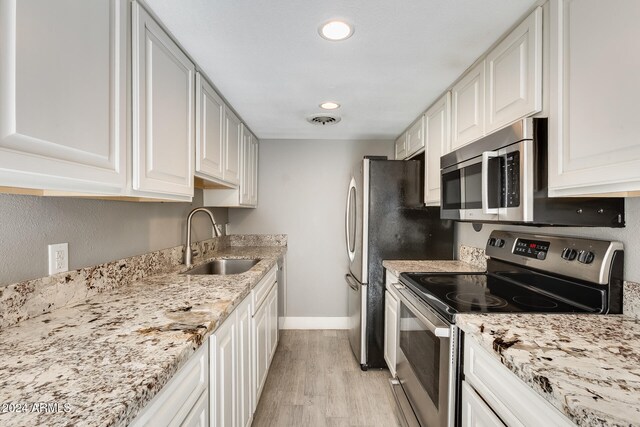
point(485, 182)
point(439, 331)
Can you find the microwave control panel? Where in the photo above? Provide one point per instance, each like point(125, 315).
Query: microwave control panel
point(531, 248)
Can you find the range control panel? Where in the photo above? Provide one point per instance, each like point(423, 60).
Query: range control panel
point(531, 248)
point(587, 259)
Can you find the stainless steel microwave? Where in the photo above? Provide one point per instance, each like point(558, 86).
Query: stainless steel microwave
point(503, 178)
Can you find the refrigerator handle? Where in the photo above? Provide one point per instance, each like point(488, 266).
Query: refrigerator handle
point(352, 186)
point(351, 282)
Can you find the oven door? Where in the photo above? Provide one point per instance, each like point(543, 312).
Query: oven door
point(425, 362)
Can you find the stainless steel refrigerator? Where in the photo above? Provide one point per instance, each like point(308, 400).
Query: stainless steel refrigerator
point(385, 219)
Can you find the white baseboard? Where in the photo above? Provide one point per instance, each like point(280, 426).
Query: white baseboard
point(314, 322)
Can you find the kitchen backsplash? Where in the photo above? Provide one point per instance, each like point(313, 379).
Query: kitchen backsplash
point(631, 293)
point(473, 256)
point(27, 299)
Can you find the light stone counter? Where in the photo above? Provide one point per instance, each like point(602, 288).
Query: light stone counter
point(107, 356)
point(587, 366)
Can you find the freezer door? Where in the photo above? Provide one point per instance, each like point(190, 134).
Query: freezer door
point(356, 222)
point(357, 294)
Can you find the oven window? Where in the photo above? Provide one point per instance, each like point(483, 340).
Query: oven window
point(451, 188)
point(422, 350)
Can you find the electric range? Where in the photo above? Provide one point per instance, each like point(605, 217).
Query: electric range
point(526, 273)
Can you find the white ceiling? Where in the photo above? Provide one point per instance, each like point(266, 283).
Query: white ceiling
point(269, 62)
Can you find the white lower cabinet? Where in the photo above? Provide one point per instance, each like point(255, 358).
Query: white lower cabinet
point(265, 329)
point(244, 389)
point(220, 384)
point(199, 415)
point(184, 399)
point(476, 413)
point(223, 378)
point(391, 323)
point(490, 384)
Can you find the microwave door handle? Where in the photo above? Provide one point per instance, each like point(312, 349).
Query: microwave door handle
point(485, 182)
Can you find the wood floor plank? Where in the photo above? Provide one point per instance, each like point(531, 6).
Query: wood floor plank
point(315, 381)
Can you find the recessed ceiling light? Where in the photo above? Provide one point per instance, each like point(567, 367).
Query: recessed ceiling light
point(329, 105)
point(336, 30)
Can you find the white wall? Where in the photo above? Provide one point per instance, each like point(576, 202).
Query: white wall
point(97, 231)
point(629, 235)
point(302, 193)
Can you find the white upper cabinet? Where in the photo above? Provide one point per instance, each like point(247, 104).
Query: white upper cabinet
point(244, 195)
point(415, 137)
point(163, 111)
point(400, 147)
point(514, 75)
point(63, 95)
point(437, 124)
point(594, 108)
point(209, 131)
point(233, 143)
point(468, 107)
point(249, 169)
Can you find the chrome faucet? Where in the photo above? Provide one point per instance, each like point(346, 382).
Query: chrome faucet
point(188, 253)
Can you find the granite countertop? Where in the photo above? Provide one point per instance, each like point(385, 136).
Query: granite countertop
point(407, 266)
point(587, 366)
point(108, 356)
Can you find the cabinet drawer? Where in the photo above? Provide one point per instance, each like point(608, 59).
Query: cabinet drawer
point(175, 401)
point(475, 412)
point(514, 401)
point(199, 415)
point(260, 292)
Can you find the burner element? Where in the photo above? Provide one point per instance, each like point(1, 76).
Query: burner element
point(477, 299)
point(438, 280)
point(535, 302)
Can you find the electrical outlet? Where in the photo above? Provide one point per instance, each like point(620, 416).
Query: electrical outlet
point(58, 258)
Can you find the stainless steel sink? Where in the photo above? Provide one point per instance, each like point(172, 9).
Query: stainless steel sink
point(224, 266)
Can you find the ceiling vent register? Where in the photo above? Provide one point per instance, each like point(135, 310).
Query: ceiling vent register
point(323, 119)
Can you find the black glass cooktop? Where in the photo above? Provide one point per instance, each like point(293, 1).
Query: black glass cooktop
point(484, 293)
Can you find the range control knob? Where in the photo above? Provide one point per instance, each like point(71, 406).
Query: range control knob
point(585, 257)
point(492, 242)
point(499, 243)
point(541, 255)
point(569, 254)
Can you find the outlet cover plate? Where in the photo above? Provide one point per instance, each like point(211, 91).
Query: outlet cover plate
point(58, 258)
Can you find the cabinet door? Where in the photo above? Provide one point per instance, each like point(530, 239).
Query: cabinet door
point(415, 137)
point(246, 168)
point(261, 362)
point(593, 137)
point(476, 413)
point(401, 147)
point(163, 107)
point(438, 143)
point(467, 98)
point(209, 131)
point(244, 392)
point(63, 95)
point(273, 322)
point(254, 177)
point(514, 74)
point(223, 380)
point(390, 331)
point(199, 415)
point(233, 142)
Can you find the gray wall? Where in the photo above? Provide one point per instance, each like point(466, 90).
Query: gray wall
point(97, 231)
point(629, 235)
point(302, 193)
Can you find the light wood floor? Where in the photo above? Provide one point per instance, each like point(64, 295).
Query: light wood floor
point(314, 380)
